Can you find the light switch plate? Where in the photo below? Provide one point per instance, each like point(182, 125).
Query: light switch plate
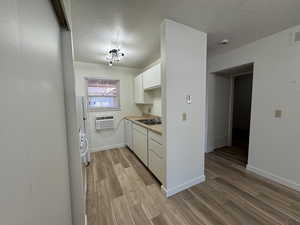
point(188, 99)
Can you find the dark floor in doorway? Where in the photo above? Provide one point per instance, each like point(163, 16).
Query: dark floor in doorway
point(236, 153)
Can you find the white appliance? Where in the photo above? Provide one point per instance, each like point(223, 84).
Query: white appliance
point(82, 120)
point(83, 136)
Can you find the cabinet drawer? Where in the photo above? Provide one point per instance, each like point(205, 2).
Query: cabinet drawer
point(140, 129)
point(156, 147)
point(156, 165)
point(156, 137)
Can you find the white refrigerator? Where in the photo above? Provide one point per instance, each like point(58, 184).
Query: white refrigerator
point(82, 120)
point(83, 130)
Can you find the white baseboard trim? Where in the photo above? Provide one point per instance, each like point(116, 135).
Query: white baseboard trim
point(217, 142)
point(104, 148)
point(182, 187)
point(273, 177)
point(85, 219)
point(210, 149)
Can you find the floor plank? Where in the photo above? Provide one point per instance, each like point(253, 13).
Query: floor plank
point(113, 183)
point(215, 206)
point(143, 173)
point(139, 215)
point(237, 154)
point(121, 211)
point(92, 197)
point(242, 215)
point(159, 220)
point(105, 215)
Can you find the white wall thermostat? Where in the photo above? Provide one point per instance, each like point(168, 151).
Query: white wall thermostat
point(188, 99)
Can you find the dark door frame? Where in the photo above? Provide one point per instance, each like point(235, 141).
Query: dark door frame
point(231, 104)
point(60, 12)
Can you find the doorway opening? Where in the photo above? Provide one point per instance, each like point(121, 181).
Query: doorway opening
point(239, 113)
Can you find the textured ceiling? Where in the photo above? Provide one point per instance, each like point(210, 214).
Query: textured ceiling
point(134, 25)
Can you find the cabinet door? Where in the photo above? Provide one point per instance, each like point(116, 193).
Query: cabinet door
point(152, 78)
point(138, 89)
point(130, 138)
point(140, 145)
point(140, 96)
point(156, 165)
point(156, 155)
point(128, 134)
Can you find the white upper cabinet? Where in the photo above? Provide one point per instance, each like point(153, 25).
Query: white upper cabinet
point(140, 96)
point(152, 78)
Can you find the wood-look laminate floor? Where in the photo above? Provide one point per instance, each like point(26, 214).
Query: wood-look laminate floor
point(121, 191)
point(236, 154)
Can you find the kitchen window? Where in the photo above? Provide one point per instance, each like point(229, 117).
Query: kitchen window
point(103, 94)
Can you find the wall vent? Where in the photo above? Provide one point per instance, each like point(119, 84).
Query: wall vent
point(297, 37)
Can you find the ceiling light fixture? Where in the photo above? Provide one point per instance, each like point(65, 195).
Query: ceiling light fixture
point(114, 55)
point(224, 42)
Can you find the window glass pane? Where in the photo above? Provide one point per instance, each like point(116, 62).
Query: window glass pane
point(103, 102)
point(103, 93)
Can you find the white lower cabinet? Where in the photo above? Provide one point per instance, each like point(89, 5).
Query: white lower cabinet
point(140, 143)
point(128, 134)
point(156, 165)
point(148, 147)
point(156, 155)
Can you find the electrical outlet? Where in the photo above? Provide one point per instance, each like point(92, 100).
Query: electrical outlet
point(184, 117)
point(278, 113)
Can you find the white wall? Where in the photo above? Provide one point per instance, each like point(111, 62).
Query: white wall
point(184, 72)
point(67, 10)
point(76, 178)
point(274, 143)
point(155, 108)
point(108, 139)
point(33, 163)
point(75, 171)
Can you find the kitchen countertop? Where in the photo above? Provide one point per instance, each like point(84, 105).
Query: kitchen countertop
point(155, 128)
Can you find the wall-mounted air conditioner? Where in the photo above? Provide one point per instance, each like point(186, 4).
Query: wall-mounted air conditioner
point(104, 123)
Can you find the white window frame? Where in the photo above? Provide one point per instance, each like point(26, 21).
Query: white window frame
point(102, 109)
